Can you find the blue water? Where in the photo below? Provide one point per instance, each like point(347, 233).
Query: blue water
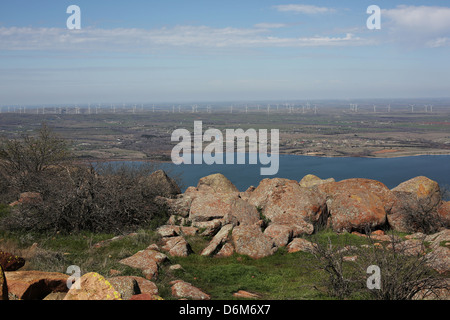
point(391, 172)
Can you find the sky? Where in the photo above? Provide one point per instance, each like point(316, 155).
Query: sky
point(140, 51)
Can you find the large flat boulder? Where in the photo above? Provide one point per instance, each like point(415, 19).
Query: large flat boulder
point(93, 286)
point(242, 213)
point(217, 242)
point(251, 241)
point(311, 180)
point(418, 199)
point(357, 204)
point(127, 286)
point(35, 285)
point(211, 206)
point(261, 195)
point(185, 290)
point(177, 246)
point(299, 244)
point(216, 183)
point(147, 261)
point(284, 202)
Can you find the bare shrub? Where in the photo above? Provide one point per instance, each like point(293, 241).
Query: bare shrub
point(101, 199)
point(424, 220)
point(340, 281)
point(405, 272)
point(98, 197)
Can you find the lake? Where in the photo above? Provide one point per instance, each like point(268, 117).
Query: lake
point(391, 171)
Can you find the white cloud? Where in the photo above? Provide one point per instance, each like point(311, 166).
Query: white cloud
point(303, 8)
point(270, 25)
point(419, 25)
point(142, 41)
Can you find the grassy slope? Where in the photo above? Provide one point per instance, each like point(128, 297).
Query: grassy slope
point(281, 276)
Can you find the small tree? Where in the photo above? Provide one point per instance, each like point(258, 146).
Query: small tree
point(24, 161)
point(34, 154)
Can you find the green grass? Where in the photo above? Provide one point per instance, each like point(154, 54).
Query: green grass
point(282, 276)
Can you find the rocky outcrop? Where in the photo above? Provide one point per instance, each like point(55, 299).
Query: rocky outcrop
point(185, 290)
point(311, 180)
point(173, 231)
point(35, 285)
point(126, 286)
point(299, 244)
point(419, 196)
point(251, 241)
point(216, 183)
point(177, 246)
point(147, 260)
point(357, 204)
point(211, 206)
point(281, 234)
point(280, 210)
point(242, 213)
point(93, 286)
point(217, 242)
point(284, 202)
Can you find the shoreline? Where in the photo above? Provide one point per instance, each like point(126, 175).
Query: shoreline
point(389, 156)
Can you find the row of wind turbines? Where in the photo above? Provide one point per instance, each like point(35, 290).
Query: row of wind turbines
point(427, 108)
point(240, 108)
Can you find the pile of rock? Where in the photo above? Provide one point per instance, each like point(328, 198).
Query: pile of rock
point(260, 220)
point(277, 213)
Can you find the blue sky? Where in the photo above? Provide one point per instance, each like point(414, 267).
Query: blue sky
point(184, 51)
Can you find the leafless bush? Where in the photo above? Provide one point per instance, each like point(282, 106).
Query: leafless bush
point(425, 220)
point(404, 270)
point(340, 281)
point(24, 161)
point(98, 198)
point(102, 199)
